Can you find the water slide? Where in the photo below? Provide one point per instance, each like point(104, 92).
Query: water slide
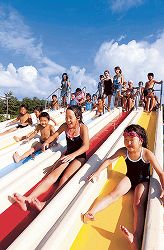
point(64, 209)
point(22, 183)
point(104, 233)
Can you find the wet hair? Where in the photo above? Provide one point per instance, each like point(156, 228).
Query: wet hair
point(140, 131)
point(150, 74)
point(64, 74)
point(118, 68)
point(54, 96)
point(23, 106)
point(38, 108)
point(78, 90)
point(77, 111)
point(44, 114)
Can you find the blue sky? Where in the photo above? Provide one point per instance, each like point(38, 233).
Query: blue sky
point(42, 39)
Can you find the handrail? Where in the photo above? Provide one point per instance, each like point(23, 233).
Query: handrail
point(53, 92)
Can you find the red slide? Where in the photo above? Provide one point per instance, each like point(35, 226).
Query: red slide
point(13, 220)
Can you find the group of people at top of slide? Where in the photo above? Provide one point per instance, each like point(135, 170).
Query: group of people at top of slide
point(123, 93)
point(137, 157)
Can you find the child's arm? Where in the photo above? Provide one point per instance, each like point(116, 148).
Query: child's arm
point(106, 163)
point(52, 130)
point(61, 129)
point(29, 120)
point(85, 146)
point(153, 160)
point(160, 82)
point(14, 121)
point(33, 133)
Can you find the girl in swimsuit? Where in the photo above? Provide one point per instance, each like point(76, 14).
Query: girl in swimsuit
point(138, 159)
point(77, 144)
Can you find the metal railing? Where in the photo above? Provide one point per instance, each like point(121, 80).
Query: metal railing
point(58, 94)
point(56, 91)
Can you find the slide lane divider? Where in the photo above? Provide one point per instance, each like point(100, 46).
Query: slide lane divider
point(153, 237)
point(19, 219)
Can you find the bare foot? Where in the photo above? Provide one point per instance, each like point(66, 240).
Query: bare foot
point(127, 234)
point(37, 204)
point(87, 217)
point(16, 157)
point(20, 200)
point(16, 138)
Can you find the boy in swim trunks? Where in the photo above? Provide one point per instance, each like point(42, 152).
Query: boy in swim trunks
point(45, 129)
point(24, 119)
point(149, 86)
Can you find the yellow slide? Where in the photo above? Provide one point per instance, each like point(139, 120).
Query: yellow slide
point(104, 233)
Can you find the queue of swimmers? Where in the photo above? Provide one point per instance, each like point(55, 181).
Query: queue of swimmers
point(123, 94)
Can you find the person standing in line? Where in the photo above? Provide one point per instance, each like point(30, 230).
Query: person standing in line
point(108, 87)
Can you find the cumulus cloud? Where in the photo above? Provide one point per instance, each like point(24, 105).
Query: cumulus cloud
point(44, 75)
point(122, 5)
point(135, 58)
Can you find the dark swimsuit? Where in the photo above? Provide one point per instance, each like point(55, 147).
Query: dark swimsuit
point(73, 144)
point(21, 126)
point(108, 87)
point(137, 171)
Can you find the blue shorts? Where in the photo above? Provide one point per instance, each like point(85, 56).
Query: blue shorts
point(117, 88)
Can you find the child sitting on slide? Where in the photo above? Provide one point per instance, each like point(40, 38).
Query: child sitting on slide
point(46, 130)
point(138, 159)
point(23, 120)
point(37, 111)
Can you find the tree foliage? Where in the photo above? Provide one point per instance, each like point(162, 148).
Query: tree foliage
point(14, 103)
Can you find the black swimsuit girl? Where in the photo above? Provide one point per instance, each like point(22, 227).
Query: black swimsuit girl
point(73, 144)
point(137, 171)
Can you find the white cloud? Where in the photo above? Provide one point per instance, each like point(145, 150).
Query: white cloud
point(121, 5)
point(30, 81)
point(135, 58)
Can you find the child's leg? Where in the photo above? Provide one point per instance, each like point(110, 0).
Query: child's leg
point(42, 187)
point(121, 189)
point(18, 158)
point(109, 101)
point(140, 197)
point(152, 103)
point(129, 104)
point(71, 169)
point(8, 131)
point(17, 138)
point(147, 104)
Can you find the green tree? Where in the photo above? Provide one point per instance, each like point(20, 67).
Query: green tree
point(13, 104)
